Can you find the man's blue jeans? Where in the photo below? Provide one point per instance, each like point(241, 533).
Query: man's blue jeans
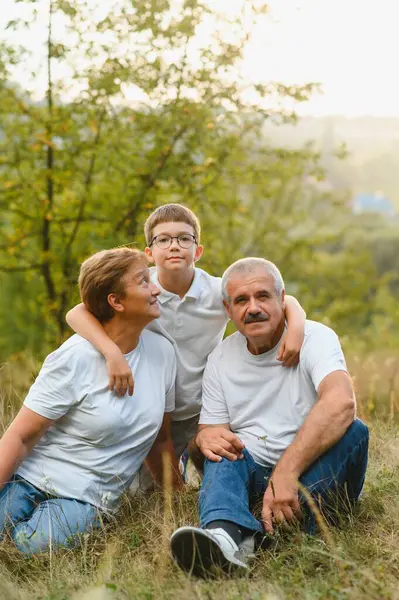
point(37, 521)
point(335, 479)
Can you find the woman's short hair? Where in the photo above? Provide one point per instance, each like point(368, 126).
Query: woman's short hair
point(103, 274)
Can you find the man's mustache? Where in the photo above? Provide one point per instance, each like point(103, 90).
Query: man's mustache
point(255, 318)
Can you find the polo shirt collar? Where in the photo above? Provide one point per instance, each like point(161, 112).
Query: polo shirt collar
point(196, 286)
point(194, 291)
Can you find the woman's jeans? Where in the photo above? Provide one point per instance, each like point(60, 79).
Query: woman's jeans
point(335, 480)
point(38, 521)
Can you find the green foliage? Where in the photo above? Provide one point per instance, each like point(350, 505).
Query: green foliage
point(82, 168)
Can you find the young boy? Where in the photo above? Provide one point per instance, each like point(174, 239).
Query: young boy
point(192, 314)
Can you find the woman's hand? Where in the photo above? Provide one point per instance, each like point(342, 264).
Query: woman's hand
point(120, 374)
point(290, 347)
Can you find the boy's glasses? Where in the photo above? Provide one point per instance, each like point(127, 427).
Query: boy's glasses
point(164, 241)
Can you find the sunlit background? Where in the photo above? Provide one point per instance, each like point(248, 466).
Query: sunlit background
point(216, 137)
point(350, 47)
point(93, 138)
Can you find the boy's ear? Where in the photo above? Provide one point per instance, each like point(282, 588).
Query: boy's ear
point(198, 252)
point(115, 302)
point(148, 253)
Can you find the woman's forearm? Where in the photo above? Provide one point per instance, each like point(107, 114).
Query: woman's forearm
point(12, 452)
point(24, 432)
point(160, 459)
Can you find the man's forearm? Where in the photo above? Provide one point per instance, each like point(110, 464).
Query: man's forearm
point(324, 426)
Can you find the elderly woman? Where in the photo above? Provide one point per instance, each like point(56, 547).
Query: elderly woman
point(75, 446)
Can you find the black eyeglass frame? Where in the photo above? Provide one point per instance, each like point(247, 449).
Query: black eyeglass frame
point(174, 237)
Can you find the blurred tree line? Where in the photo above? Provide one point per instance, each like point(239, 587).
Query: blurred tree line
point(81, 168)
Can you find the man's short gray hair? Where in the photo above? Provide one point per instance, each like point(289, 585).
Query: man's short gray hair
point(246, 265)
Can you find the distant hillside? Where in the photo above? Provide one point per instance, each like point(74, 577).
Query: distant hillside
point(372, 144)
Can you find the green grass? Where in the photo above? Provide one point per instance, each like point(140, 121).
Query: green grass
point(130, 558)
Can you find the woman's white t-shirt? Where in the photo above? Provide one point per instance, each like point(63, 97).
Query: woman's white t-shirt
point(98, 440)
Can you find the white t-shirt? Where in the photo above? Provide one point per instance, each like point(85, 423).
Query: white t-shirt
point(197, 324)
point(264, 402)
point(98, 440)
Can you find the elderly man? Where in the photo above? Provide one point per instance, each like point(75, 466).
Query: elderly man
point(289, 435)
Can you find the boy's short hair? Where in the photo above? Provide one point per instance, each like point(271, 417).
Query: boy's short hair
point(171, 213)
point(103, 274)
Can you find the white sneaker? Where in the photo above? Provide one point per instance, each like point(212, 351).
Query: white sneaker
point(204, 552)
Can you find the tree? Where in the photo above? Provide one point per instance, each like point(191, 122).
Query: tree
point(83, 167)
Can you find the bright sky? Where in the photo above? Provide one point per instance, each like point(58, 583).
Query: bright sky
point(350, 46)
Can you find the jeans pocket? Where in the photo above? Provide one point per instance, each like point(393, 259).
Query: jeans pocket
point(251, 465)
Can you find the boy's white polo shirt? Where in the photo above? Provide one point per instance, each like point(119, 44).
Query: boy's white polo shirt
point(197, 324)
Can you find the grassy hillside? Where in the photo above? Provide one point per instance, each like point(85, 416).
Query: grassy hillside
point(130, 558)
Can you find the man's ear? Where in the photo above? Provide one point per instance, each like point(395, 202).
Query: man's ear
point(115, 302)
point(198, 253)
point(283, 299)
point(148, 253)
point(227, 307)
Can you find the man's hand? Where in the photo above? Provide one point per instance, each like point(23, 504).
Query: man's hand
point(218, 442)
point(280, 501)
point(119, 373)
point(290, 346)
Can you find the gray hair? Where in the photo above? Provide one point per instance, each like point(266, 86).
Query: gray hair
point(246, 265)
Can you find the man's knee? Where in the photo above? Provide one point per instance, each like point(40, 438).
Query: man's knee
point(359, 430)
point(356, 436)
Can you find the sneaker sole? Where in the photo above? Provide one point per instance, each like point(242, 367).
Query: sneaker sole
point(199, 555)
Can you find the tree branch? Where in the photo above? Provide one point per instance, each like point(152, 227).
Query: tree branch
point(87, 183)
point(82, 220)
point(20, 268)
point(46, 224)
point(20, 239)
point(152, 178)
point(78, 220)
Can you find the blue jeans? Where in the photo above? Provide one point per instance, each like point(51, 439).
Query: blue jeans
point(230, 488)
point(37, 521)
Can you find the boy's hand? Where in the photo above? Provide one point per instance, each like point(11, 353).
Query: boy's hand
point(120, 374)
point(291, 344)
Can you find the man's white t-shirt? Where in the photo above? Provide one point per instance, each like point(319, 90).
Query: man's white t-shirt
point(197, 324)
point(98, 440)
point(264, 402)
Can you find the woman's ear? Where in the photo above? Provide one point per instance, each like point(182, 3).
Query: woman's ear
point(115, 302)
